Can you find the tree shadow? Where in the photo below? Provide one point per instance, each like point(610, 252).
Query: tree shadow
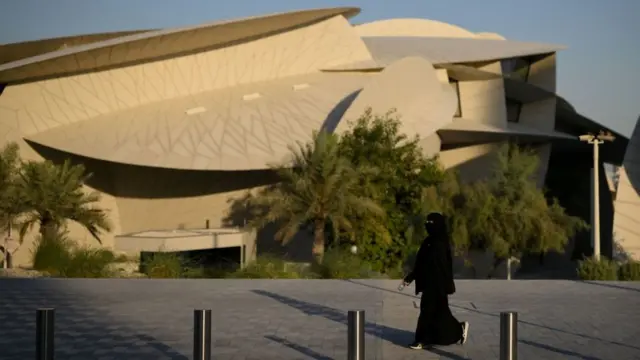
point(558, 350)
point(81, 331)
point(474, 310)
point(395, 336)
point(299, 348)
point(242, 210)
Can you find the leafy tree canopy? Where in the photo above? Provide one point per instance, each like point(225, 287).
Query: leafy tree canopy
point(506, 213)
point(318, 190)
point(403, 171)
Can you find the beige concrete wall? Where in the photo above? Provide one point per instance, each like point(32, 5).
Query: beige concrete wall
point(541, 115)
point(32, 108)
point(626, 225)
point(484, 101)
point(472, 162)
point(163, 199)
point(35, 107)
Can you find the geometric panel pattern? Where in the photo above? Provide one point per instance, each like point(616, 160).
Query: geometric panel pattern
point(39, 106)
point(626, 221)
point(225, 133)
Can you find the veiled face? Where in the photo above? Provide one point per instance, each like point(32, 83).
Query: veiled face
point(435, 223)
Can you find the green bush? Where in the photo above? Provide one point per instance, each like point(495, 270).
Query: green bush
point(58, 256)
point(51, 255)
point(629, 271)
point(271, 267)
point(164, 265)
point(88, 263)
point(590, 269)
point(341, 264)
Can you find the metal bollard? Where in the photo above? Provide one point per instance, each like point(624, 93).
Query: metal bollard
point(355, 345)
point(508, 336)
point(202, 335)
point(45, 319)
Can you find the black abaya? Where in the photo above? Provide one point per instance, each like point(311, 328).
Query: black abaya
point(436, 323)
point(433, 274)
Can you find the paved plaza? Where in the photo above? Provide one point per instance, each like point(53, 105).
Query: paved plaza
point(306, 319)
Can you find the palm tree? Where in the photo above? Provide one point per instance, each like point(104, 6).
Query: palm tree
point(53, 194)
point(11, 202)
point(317, 191)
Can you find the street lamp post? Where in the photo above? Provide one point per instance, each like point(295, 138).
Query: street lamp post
point(596, 140)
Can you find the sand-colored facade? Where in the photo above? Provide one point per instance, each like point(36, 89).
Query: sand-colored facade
point(626, 221)
point(175, 124)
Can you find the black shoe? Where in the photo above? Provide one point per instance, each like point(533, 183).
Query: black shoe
point(465, 332)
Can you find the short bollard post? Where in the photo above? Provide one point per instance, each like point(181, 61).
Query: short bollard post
point(508, 336)
point(355, 345)
point(202, 335)
point(44, 334)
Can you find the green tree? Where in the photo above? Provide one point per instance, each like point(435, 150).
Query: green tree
point(506, 213)
point(317, 191)
point(11, 202)
point(404, 171)
point(523, 220)
point(54, 194)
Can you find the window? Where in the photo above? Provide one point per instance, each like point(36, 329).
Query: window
point(456, 87)
point(513, 111)
point(516, 68)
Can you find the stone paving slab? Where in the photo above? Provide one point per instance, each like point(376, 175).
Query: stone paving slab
point(306, 319)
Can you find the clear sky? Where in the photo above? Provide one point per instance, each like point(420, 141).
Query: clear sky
point(599, 72)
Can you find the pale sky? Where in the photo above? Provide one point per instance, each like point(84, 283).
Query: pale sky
point(599, 73)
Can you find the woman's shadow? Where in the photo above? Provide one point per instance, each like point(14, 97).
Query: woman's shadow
point(395, 336)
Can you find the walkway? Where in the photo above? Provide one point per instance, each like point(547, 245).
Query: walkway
point(302, 319)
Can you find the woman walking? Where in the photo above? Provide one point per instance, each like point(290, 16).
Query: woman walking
point(433, 275)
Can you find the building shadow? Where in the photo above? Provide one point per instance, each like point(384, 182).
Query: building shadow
point(613, 286)
point(395, 336)
point(242, 211)
point(332, 120)
point(556, 350)
point(299, 348)
point(81, 330)
point(475, 310)
point(633, 170)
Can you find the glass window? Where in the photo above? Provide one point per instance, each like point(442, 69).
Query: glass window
point(513, 111)
point(516, 68)
point(456, 87)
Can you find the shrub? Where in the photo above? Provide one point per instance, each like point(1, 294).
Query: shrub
point(271, 267)
point(341, 264)
point(629, 271)
point(164, 265)
point(51, 255)
point(88, 263)
point(590, 269)
point(58, 256)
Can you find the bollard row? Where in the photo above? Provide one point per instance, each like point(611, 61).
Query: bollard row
point(45, 319)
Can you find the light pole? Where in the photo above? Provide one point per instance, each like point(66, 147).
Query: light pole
point(596, 140)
